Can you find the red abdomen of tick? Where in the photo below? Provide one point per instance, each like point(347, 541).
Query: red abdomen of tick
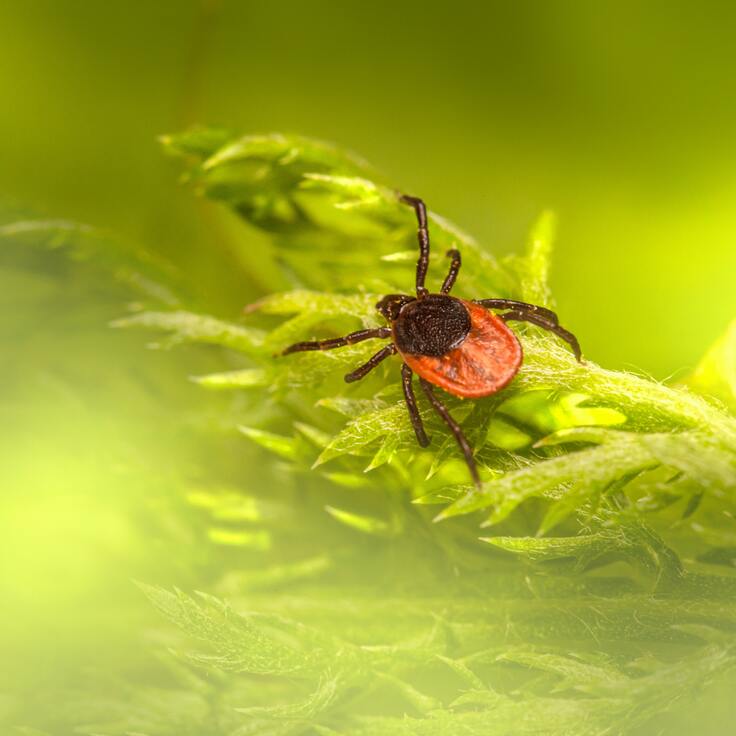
point(483, 363)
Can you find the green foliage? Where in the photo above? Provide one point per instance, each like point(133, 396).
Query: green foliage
point(598, 594)
point(134, 267)
point(716, 373)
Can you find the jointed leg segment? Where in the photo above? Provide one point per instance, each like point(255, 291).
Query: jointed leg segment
point(423, 237)
point(541, 321)
point(518, 306)
point(338, 342)
point(540, 316)
point(455, 264)
point(369, 365)
point(441, 409)
point(411, 404)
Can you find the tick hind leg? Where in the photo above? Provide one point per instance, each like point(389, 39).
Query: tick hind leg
point(441, 409)
point(422, 237)
point(338, 342)
point(537, 318)
point(411, 405)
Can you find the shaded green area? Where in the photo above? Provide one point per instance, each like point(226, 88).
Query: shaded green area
point(117, 467)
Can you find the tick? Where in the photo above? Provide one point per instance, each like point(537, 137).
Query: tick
point(455, 344)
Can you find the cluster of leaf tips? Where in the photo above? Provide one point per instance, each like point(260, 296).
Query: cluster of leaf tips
point(597, 591)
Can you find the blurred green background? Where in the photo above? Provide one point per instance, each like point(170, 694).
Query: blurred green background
point(619, 115)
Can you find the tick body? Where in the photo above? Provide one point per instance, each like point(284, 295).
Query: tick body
point(457, 345)
point(460, 346)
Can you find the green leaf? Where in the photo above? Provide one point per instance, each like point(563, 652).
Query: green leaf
point(364, 430)
point(315, 435)
point(288, 153)
point(361, 522)
point(244, 378)
point(715, 375)
point(576, 673)
point(535, 265)
point(132, 266)
point(227, 504)
point(304, 710)
point(199, 142)
point(648, 405)
point(314, 302)
point(284, 447)
point(257, 540)
point(187, 327)
point(385, 453)
point(600, 466)
point(584, 548)
point(506, 436)
point(253, 642)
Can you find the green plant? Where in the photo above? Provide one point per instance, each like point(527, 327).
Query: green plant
point(363, 597)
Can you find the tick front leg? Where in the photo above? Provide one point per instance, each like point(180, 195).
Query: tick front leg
point(422, 237)
point(338, 342)
point(455, 264)
point(368, 366)
point(441, 409)
point(519, 307)
point(411, 405)
point(540, 321)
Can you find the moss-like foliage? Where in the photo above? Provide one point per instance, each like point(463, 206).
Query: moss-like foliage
point(587, 588)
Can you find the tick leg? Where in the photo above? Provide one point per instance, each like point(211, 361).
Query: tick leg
point(368, 366)
point(441, 409)
point(411, 405)
point(449, 281)
point(423, 237)
point(541, 321)
point(519, 307)
point(338, 342)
